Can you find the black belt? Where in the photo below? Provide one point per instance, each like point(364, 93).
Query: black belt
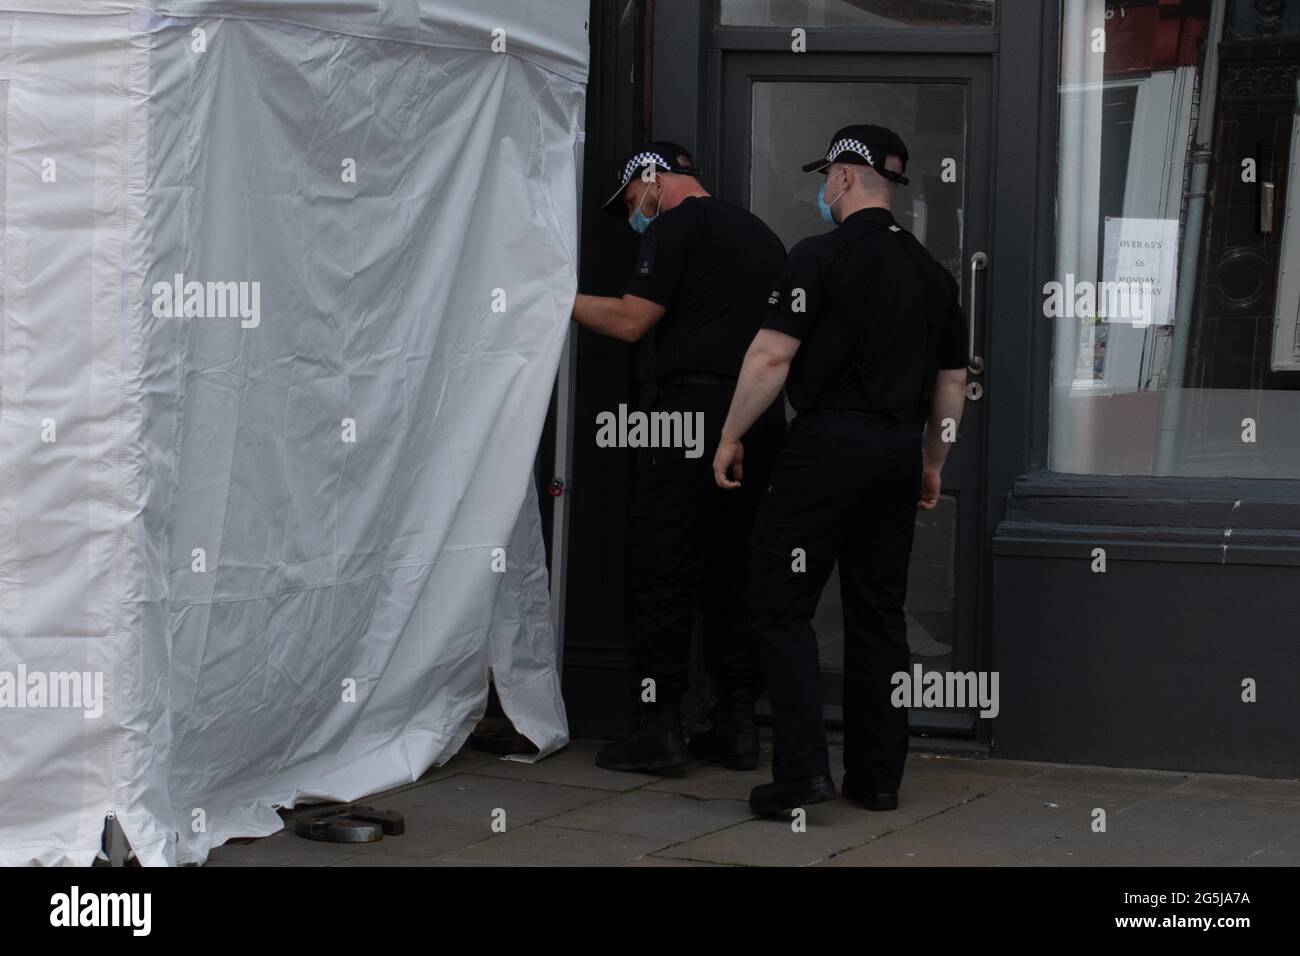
point(698, 378)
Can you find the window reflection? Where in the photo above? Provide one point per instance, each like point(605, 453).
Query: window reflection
point(1176, 298)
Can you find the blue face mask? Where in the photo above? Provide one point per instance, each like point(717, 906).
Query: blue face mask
point(827, 209)
point(640, 222)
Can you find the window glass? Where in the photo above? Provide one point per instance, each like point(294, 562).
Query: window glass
point(855, 13)
point(794, 120)
point(1176, 298)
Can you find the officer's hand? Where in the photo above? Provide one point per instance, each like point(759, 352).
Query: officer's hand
point(729, 457)
point(930, 486)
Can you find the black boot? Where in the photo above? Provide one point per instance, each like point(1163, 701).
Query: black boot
point(656, 746)
point(733, 739)
point(781, 796)
point(872, 800)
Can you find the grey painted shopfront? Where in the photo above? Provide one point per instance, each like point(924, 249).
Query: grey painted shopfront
point(1120, 535)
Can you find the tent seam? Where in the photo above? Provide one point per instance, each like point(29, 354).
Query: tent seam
point(118, 737)
point(380, 39)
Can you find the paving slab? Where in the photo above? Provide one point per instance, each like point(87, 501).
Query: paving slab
point(1242, 788)
point(712, 782)
point(1178, 829)
point(1273, 856)
point(573, 766)
point(467, 759)
point(280, 849)
point(658, 861)
point(830, 828)
point(428, 835)
point(954, 811)
point(385, 862)
point(1109, 777)
point(470, 800)
point(671, 816)
point(930, 787)
point(978, 766)
point(1002, 828)
point(541, 845)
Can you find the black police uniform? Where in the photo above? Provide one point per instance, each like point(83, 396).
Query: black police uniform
point(709, 264)
point(876, 316)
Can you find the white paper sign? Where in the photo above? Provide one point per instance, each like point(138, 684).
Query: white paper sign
point(1140, 272)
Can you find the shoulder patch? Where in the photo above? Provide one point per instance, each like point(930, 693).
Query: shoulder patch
point(645, 257)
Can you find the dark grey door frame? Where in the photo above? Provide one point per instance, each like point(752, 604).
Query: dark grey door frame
point(688, 90)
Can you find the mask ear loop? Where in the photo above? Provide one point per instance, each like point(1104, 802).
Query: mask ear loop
point(832, 202)
point(658, 205)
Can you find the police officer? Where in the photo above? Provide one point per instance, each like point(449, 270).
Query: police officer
point(865, 331)
point(700, 280)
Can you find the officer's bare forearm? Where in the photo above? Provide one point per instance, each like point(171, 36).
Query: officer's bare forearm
point(762, 376)
point(949, 400)
point(626, 319)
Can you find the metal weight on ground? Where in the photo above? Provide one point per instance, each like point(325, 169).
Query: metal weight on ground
point(350, 825)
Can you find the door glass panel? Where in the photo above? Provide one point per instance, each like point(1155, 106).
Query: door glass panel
point(855, 13)
point(792, 125)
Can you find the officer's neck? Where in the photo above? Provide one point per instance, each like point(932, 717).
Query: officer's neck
point(693, 190)
point(678, 195)
point(854, 204)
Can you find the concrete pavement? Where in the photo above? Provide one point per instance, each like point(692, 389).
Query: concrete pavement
point(954, 811)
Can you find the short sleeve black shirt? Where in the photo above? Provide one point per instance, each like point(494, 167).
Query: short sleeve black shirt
point(876, 316)
point(710, 265)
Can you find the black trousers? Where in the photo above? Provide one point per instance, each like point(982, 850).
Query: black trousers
point(690, 544)
point(845, 487)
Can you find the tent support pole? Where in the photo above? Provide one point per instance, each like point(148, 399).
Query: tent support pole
point(116, 844)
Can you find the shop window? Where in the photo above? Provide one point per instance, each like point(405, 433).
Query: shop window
point(1286, 333)
point(1176, 294)
point(855, 13)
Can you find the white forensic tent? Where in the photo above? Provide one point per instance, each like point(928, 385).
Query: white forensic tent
point(284, 287)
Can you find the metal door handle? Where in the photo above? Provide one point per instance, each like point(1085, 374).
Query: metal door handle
point(978, 263)
point(1267, 194)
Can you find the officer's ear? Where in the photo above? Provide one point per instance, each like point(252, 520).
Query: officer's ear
point(662, 178)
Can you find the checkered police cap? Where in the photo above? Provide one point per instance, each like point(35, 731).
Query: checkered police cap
point(864, 146)
point(661, 155)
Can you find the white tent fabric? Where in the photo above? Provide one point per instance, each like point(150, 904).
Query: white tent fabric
point(285, 518)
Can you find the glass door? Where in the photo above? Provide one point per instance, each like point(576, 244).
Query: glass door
point(778, 112)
